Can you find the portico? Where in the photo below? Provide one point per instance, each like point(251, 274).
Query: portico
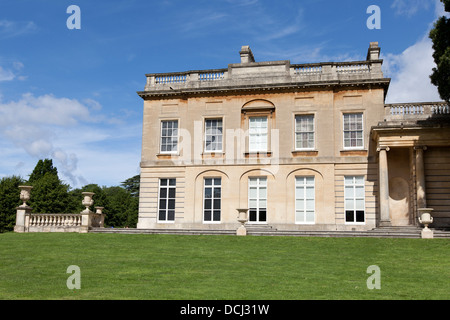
point(412, 142)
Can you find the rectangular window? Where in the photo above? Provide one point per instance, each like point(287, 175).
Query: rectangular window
point(169, 136)
point(354, 199)
point(213, 135)
point(258, 129)
point(353, 130)
point(304, 200)
point(166, 203)
point(257, 200)
point(212, 200)
point(304, 132)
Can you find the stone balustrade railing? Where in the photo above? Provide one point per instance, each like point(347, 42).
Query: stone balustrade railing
point(26, 221)
point(269, 71)
point(416, 111)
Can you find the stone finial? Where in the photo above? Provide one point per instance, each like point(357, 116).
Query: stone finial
point(246, 55)
point(374, 51)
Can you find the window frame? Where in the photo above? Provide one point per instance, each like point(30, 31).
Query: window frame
point(357, 147)
point(258, 198)
point(177, 137)
point(354, 185)
point(304, 211)
point(258, 134)
point(167, 199)
point(297, 132)
point(205, 149)
point(213, 186)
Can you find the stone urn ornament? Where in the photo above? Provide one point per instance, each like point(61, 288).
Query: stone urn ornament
point(242, 218)
point(87, 201)
point(426, 219)
point(25, 192)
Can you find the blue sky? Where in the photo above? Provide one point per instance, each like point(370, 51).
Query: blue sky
point(70, 95)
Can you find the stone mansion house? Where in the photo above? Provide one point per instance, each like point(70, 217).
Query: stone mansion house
point(298, 146)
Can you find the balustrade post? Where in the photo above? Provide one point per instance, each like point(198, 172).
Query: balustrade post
point(86, 214)
point(23, 211)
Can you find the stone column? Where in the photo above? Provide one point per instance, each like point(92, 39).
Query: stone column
point(385, 219)
point(420, 177)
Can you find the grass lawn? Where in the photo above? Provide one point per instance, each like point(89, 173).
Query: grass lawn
point(166, 267)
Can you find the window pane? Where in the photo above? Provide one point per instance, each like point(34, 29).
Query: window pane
point(359, 216)
point(310, 193)
point(349, 216)
point(216, 215)
point(216, 203)
point(300, 204)
point(309, 216)
point(252, 215)
point(217, 193)
point(252, 193)
point(262, 215)
point(263, 203)
point(171, 215)
point(207, 215)
point(349, 204)
point(309, 205)
point(163, 193)
point(359, 191)
point(359, 204)
point(162, 215)
point(208, 204)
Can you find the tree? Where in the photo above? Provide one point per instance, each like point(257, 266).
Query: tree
point(49, 194)
point(132, 185)
point(9, 200)
point(440, 36)
point(121, 208)
point(42, 167)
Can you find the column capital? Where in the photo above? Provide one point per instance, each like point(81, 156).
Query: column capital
point(386, 148)
point(420, 148)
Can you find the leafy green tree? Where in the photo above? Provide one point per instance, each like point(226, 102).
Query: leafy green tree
point(132, 185)
point(121, 208)
point(9, 200)
point(49, 194)
point(41, 169)
point(440, 36)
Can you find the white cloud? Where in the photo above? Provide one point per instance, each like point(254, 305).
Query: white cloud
point(410, 72)
point(70, 132)
point(410, 7)
point(9, 29)
point(6, 75)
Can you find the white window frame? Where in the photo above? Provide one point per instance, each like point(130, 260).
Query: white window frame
point(302, 184)
point(213, 186)
point(260, 183)
point(350, 131)
point(299, 132)
point(167, 198)
point(162, 136)
point(218, 136)
point(354, 201)
point(258, 138)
